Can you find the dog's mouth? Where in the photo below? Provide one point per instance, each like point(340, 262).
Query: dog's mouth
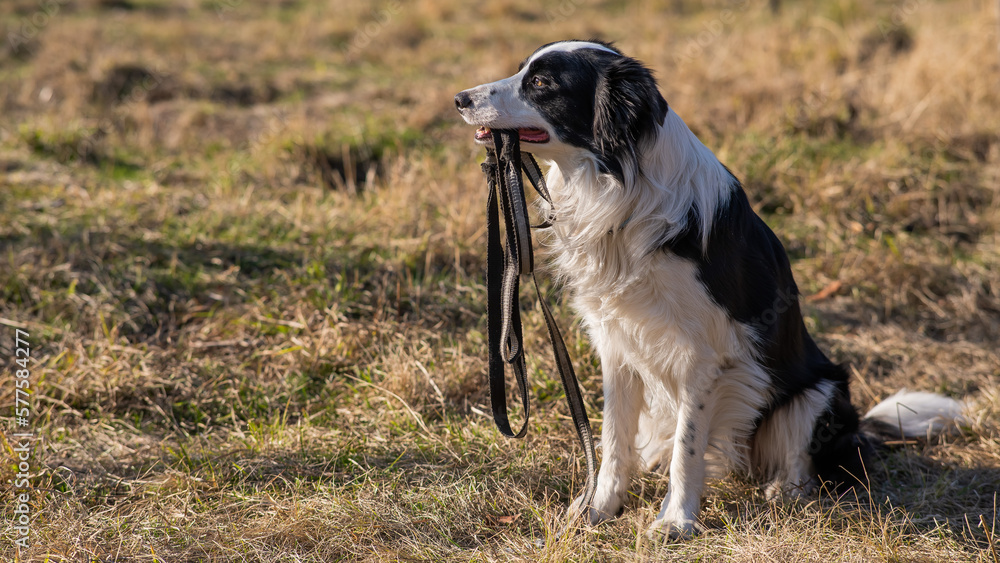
point(526, 134)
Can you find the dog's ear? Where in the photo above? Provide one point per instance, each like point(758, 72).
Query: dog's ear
point(628, 108)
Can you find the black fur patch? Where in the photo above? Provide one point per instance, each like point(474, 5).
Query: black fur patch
point(601, 101)
point(746, 271)
point(629, 109)
point(840, 453)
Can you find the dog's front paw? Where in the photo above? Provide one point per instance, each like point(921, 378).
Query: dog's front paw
point(600, 510)
point(663, 529)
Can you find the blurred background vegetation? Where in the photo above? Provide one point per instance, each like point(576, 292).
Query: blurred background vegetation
point(246, 238)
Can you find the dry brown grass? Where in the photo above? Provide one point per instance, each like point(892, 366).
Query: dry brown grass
point(239, 359)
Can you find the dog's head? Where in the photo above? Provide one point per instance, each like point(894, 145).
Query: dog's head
point(572, 96)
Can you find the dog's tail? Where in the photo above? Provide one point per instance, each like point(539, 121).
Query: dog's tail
point(843, 446)
point(908, 415)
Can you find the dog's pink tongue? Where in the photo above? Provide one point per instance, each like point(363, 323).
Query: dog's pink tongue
point(533, 135)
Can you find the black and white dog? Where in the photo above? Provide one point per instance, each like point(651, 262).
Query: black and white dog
point(686, 294)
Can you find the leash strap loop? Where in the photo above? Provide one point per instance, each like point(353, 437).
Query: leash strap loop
point(504, 266)
point(497, 316)
point(534, 174)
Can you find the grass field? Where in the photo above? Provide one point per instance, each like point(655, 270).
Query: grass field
point(246, 239)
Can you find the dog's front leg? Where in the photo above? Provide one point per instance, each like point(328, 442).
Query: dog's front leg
point(679, 510)
point(623, 402)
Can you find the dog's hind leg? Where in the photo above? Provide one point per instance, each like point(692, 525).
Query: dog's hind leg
point(782, 445)
point(623, 402)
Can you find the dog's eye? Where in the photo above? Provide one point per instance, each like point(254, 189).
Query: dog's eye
point(539, 82)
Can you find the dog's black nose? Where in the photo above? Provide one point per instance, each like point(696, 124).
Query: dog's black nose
point(463, 100)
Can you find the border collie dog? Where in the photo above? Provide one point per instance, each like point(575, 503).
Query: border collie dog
point(685, 293)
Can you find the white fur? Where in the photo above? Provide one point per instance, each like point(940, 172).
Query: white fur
point(666, 347)
point(683, 382)
point(781, 444)
point(682, 385)
point(918, 414)
point(679, 173)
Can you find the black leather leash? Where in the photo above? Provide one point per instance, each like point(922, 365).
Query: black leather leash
point(504, 266)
